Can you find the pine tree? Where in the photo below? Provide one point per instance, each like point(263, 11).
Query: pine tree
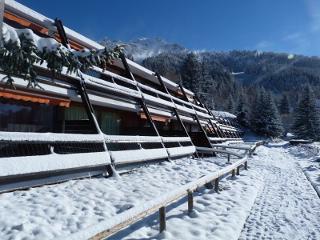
point(265, 117)
point(306, 117)
point(230, 104)
point(284, 107)
point(256, 122)
point(273, 124)
point(191, 73)
point(206, 84)
point(242, 113)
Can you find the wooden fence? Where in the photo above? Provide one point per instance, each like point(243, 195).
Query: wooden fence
point(108, 228)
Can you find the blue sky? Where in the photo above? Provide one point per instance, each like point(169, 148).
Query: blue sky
point(268, 25)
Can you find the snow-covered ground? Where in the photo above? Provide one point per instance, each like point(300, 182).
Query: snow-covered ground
point(308, 157)
point(273, 200)
point(288, 206)
point(57, 210)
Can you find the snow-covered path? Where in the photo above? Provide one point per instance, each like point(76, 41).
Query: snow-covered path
point(287, 207)
point(273, 200)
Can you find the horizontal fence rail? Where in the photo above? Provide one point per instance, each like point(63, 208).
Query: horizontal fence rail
point(134, 149)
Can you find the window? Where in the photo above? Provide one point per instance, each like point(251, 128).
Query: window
point(21, 116)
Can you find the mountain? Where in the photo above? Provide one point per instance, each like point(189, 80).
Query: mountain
point(224, 79)
point(143, 48)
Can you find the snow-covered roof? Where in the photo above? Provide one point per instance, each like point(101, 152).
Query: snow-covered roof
point(85, 41)
point(223, 114)
point(48, 22)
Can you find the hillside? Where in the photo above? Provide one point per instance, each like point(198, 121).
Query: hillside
point(230, 81)
point(279, 72)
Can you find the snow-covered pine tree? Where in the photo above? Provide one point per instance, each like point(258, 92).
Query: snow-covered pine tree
point(230, 107)
point(18, 58)
point(273, 124)
point(191, 73)
point(265, 117)
point(306, 117)
point(206, 84)
point(256, 122)
point(284, 107)
point(241, 112)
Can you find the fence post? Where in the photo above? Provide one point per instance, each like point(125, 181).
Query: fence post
point(162, 218)
point(246, 165)
point(238, 170)
point(190, 201)
point(233, 173)
point(216, 185)
point(228, 158)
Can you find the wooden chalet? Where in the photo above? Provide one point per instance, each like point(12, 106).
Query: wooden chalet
point(84, 125)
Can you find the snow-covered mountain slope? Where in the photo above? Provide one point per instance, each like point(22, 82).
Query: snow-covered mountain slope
point(142, 48)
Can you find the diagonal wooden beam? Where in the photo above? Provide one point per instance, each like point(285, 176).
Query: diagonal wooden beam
point(1, 22)
point(165, 89)
point(62, 33)
point(196, 115)
point(142, 100)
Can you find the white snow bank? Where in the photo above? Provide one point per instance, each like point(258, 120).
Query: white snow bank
point(52, 162)
point(49, 137)
point(127, 138)
point(218, 216)
point(154, 204)
point(308, 156)
point(54, 211)
point(132, 156)
point(181, 151)
point(176, 139)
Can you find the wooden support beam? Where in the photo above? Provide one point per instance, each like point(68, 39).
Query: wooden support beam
point(203, 131)
point(184, 93)
point(87, 104)
point(127, 68)
point(148, 115)
point(215, 128)
point(210, 113)
point(82, 85)
point(233, 173)
point(238, 170)
point(142, 100)
point(163, 85)
point(165, 89)
point(216, 185)
point(162, 219)
point(82, 89)
point(197, 99)
point(197, 117)
point(62, 33)
point(190, 202)
point(1, 22)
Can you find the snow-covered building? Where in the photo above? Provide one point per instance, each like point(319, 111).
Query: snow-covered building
point(87, 123)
